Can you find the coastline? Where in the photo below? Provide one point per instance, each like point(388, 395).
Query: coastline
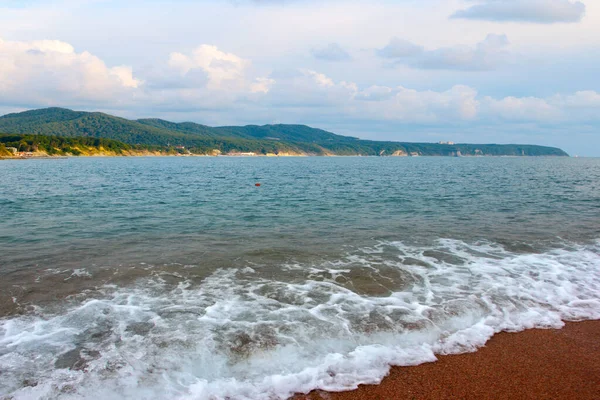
point(45, 156)
point(154, 154)
point(140, 155)
point(533, 364)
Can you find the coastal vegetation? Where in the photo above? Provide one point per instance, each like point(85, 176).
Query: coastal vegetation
point(4, 152)
point(59, 131)
point(14, 145)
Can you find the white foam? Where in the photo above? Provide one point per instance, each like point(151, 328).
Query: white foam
point(243, 335)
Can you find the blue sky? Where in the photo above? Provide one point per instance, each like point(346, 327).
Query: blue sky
point(483, 71)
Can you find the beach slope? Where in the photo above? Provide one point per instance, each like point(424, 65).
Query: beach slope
point(534, 364)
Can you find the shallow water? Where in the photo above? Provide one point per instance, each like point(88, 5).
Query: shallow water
point(179, 278)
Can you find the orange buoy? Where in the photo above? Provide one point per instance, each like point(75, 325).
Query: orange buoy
point(257, 184)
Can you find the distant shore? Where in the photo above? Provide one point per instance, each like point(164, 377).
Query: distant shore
point(156, 154)
point(47, 157)
point(534, 364)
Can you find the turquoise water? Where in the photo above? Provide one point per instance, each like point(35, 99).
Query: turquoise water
point(167, 209)
point(179, 278)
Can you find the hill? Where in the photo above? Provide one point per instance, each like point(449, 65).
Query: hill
point(266, 139)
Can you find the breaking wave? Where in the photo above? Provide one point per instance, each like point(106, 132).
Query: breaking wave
point(252, 333)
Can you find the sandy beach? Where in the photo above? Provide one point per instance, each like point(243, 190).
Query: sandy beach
point(534, 364)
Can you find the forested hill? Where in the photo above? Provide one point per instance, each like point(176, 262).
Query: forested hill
point(266, 139)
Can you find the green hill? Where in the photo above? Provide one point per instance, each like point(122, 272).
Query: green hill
point(202, 139)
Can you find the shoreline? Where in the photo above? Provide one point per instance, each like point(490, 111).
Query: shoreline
point(532, 364)
point(257, 156)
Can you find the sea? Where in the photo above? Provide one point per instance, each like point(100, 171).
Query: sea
point(180, 278)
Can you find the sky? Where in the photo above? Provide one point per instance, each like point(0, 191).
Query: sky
point(476, 71)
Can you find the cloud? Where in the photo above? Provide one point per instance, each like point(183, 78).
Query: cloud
point(319, 79)
point(486, 55)
point(50, 72)
point(42, 71)
point(262, 85)
point(314, 95)
point(125, 75)
point(582, 99)
point(459, 103)
point(332, 52)
point(582, 106)
point(220, 67)
point(306, 91)
point(209, 68)
point(535, 11)
point(375, 93)
point(522, 109)
point(399, 48)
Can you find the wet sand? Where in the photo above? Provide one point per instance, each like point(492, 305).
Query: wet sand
point(534, 364)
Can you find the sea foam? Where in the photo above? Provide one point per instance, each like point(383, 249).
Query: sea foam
point(243, 333)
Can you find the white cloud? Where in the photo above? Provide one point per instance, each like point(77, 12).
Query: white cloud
point(308, 92)
point(224, 72)
point(375, 93)
point(262, 85)
point(320, 79)
point(537, 11)
point(456, 104)
point(485, 55)
point(522, 109)
point(576, 107)
point(399, 48)
point(331, 52)
point(581, 99)
point(318, 94)
point(221, 67)
point(43, 71)
point(125, 75)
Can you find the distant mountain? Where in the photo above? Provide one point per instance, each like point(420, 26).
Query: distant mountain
point(266, 139)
